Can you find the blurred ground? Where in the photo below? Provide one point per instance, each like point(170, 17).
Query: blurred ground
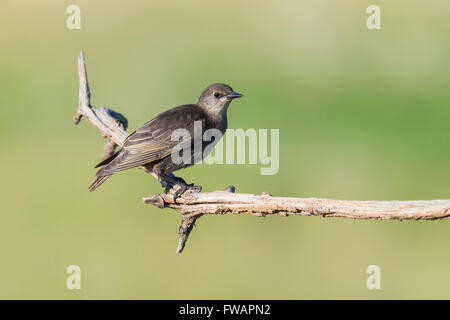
point(362, 115)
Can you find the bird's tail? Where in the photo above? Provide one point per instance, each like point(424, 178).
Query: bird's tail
point(97, 182)
point(102, 178)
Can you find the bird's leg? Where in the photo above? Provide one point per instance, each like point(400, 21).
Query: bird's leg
point(176, 180)
point(169, 180)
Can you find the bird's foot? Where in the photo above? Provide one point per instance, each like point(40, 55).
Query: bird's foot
point(169, 181)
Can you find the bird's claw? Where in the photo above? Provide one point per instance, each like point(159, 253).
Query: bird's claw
point(170, 181)
point(183, 188)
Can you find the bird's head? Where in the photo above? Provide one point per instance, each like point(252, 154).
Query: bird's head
point(217, 97)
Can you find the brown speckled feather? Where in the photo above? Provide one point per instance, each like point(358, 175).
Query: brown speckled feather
point(152, 141)
point(151, 145)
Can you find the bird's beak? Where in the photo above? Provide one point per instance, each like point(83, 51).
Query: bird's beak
point(234, 95)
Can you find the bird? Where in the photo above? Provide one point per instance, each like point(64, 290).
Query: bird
point(151, 145)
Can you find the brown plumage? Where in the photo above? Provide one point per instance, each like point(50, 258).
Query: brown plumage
point(151, 145)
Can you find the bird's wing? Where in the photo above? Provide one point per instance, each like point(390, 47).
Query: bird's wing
point(153, 141)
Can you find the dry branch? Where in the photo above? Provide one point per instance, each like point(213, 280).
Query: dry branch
point(192, 205)
point(220, 202)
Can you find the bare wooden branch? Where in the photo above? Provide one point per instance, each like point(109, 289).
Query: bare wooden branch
point(111, 124)
point(187, 223)
point(192, 205)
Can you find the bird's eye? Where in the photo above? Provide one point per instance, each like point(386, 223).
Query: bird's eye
point(217, 95)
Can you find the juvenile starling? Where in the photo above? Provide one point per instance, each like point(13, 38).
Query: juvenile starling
point(151, 145)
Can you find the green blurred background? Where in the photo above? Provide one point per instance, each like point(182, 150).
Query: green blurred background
point(362, 115)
